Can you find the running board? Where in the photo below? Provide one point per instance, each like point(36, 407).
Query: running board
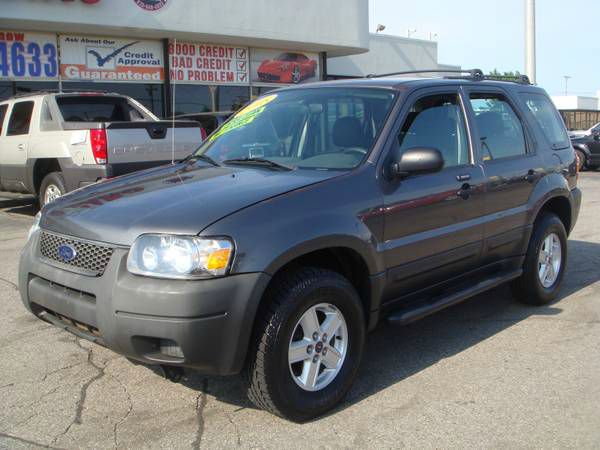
point(418, 311)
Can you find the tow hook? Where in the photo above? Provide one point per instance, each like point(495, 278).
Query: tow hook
point(172, 373)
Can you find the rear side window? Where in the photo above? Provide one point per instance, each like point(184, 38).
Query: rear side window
point(548, 119)
point(500, 129)
point(20, 119)
point(95, 109)
point(3, 109)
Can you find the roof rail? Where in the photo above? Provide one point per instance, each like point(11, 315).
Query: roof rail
point(474, 74)
point(470, 74)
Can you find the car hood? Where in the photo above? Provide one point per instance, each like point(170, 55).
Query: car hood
point(182, 199)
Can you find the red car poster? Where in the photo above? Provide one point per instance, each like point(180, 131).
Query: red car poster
point(284, 67)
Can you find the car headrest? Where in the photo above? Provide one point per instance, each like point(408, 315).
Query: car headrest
point(347, 132)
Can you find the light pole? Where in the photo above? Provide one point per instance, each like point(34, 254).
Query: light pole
point(567, 77)
point(530, 39)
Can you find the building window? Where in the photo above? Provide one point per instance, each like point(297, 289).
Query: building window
point(10, 88)
point(231, 98)
point(191, 98)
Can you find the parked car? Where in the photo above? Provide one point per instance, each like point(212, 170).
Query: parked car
point(287, 68)
point(587, 148)
point(53, 143)
point(311, 216)
point(209, 121)
point(582, 133)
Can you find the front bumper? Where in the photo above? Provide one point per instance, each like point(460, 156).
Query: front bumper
point(208, 322)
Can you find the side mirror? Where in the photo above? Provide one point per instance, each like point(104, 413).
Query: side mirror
point(417, 160)
point(596, 135)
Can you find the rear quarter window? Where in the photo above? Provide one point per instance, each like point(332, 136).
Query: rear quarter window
point(547, 117)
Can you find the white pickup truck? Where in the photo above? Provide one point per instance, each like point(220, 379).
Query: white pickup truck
point(53, 143)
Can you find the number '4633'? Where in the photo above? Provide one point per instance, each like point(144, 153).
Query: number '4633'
point(28, 59)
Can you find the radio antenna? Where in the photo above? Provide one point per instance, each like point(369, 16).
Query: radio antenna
point(173, 108)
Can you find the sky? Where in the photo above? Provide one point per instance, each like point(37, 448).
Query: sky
point(490, 34)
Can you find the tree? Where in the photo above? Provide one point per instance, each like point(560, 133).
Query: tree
point(505, 75)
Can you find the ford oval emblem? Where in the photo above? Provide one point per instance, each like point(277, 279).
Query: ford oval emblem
point(67, 252)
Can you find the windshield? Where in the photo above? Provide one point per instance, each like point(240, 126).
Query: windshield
point(325, 128)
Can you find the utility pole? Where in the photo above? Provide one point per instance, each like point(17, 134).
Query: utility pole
point(567, 77)
point(530, 40)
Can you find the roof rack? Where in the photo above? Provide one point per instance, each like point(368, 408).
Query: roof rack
point(467, 74)
point(476, 74)
point(61, 91)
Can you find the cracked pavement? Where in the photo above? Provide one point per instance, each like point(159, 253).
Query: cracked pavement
point(486, 373)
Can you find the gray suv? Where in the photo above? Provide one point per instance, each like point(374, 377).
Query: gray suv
point(310, 216)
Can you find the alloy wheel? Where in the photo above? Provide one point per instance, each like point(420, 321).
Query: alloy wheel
point(318, 347)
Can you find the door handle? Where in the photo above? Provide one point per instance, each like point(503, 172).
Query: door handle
point(465, 191)
point(21, 146)
point(531, 176)
point(463, 177)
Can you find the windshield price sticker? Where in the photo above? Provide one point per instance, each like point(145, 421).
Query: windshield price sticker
point(109, 59)
point(245, 116)
point(28, 56)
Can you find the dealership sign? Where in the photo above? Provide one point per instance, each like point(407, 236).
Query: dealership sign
point(208, 63)
point(151, 5)
point(28, 56)
point(108, 59)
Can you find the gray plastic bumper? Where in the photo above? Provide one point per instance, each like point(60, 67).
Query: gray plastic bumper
point(203, 324)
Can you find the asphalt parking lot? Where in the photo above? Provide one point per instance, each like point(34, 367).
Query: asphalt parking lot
point(487, 373)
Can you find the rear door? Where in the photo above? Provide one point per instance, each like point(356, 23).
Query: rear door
point(14, 145)
point(433, 228)
point(506, 149)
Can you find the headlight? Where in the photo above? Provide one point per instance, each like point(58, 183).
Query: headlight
point(185, 257)
point(35, 226)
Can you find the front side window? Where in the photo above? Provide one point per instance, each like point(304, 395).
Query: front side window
point(437, 122)
point(500, 129)
point(20, 119)
point(548, 119)
point(325, 128)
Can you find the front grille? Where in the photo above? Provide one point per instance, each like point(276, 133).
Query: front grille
point(91, 258)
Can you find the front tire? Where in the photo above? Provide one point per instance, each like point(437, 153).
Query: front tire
point(581, 160)
point(545, 262)
point(52, 187)
point(307, 345)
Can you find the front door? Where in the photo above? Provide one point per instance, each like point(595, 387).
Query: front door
point(14, 144)
point(512, 167)
point(432, 221)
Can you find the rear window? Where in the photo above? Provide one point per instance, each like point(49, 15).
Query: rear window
point(20, 119)
point(3, 109)
point(97, 109)
point(548, 119)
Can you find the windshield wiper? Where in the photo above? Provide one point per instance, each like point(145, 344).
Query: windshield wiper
point(259, 162)
point(208, 159)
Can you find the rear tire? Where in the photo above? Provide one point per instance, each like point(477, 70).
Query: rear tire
point(545, 262)
point(53, 187)
point(274, 381)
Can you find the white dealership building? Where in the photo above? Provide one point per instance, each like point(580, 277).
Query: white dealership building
point(219, 53)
